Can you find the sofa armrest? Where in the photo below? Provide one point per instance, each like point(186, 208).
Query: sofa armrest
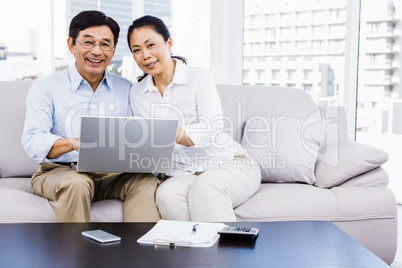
point(13, 159)
point(377, 177)
point(344, 160)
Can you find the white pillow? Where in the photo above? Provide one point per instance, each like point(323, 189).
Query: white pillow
point(286, 149)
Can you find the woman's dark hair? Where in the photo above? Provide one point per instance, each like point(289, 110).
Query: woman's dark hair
point(158, 26)
point(90, 18)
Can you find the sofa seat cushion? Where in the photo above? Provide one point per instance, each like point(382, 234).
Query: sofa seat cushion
point(293, 202)
point(18, 204)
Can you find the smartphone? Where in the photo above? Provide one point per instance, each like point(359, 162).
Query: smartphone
point(101, 236)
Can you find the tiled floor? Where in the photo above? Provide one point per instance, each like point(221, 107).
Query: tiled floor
point(398, 259)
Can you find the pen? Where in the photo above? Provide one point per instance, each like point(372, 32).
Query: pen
point(194, 230)
point(172, 243)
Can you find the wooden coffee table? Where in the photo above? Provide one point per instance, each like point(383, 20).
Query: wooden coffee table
point(280, 244)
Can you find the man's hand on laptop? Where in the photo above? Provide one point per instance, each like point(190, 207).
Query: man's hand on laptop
point(63, 146)
point(74, 142)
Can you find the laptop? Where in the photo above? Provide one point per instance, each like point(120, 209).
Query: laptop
point(126, 144)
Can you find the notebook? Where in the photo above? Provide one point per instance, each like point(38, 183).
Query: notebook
point(126, 144)
point(182, 234)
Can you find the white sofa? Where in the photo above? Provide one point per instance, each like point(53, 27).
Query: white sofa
point(352, 193)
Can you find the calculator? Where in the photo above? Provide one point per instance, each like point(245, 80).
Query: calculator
point(239, 232)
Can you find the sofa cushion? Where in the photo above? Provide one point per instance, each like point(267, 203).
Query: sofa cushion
point(240, 102)
point(344, 160)
point(286, 149)
point(377, 177)
point(23, 206)
point(284, 202)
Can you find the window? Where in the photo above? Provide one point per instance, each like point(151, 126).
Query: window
point(320, 15)
point(40, 47)
point(379, 100)
point(307, 74)
point(302, 31)
point(260, 75)
point(291, 74)
point(307, 87)
point(319, 40)
point(271, 33)
point(302, 16)
point(275, 74)
point(270, 47)
point(287, 18)
point(25, 42)
point(312, 37)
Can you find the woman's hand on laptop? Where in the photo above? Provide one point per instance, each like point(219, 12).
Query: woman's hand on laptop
point(182, 138)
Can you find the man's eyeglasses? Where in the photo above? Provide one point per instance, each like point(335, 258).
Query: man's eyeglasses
point(87, 44)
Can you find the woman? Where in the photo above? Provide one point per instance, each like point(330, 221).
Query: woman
point(211, 173)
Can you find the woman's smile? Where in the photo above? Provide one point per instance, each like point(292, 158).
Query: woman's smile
point(151, 65)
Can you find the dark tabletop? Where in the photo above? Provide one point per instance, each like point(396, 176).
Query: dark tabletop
point(280, 244)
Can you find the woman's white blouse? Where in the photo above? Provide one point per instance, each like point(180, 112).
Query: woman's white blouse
point(193, 99)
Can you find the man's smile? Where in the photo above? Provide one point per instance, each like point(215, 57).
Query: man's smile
point(94, 60)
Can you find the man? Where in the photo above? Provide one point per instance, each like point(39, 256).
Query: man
point(54, 108)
